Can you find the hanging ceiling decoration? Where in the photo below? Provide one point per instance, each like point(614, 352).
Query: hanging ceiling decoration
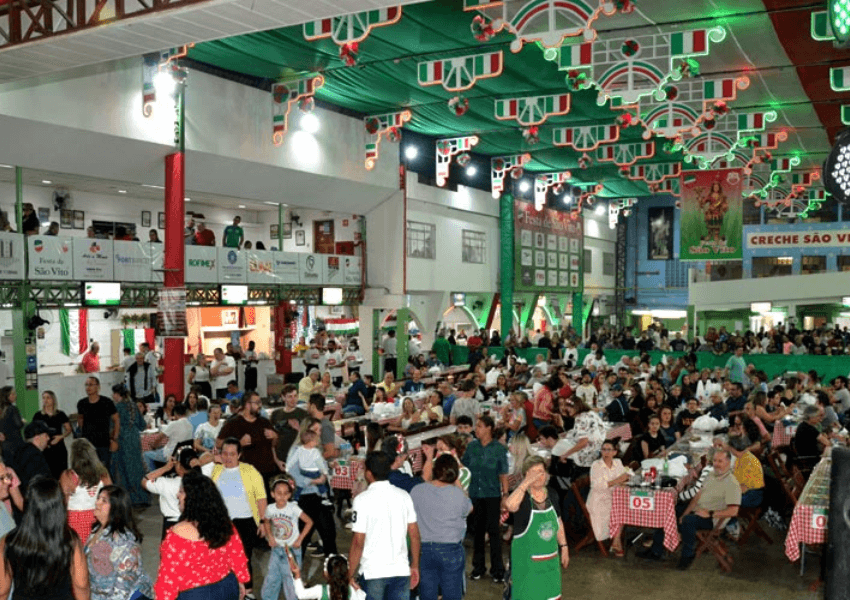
point(500, 165)
point(543, 182)
point(547, 22)
point(159, 62)
point(765, 176)
point(460, 73)
point(378, 126)
point(348, 31)
point(532, 110)
point(669, 186)
point(446, 149)
point(628, 69)
point(723, 136)
point(583, 193)
point(284, 95)
point(796, 200)
point(625, 155)
point(653, 174)
point(617, 206)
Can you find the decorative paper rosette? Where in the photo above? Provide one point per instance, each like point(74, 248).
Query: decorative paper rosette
point(498, 164)
point(584, 161)
point(517, 172)
point(689, 68)
point(463, 159)
point(372, 125)
point(459, 105)
point(531, 135)
point(671, 92)
point(394, 134)
point(576, 80)
point(306, 105)
point(626, 119)
point(720, 108)
point(558, 188)
point(629, 48)
point(482, 29)
point(348, 53)
point(624, 6)
point(280, 92)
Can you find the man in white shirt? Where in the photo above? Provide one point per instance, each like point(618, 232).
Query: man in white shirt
point(383, 518)
point(332, 362)
point(222, 370)
point(390, 347)
point(414, 347)
point(178, 430)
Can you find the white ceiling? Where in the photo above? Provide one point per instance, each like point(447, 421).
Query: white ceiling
point(135, 36)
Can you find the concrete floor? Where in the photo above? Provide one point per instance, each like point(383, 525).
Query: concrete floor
point(761, 572)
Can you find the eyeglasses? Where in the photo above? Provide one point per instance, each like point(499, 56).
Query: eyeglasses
point(5, 478)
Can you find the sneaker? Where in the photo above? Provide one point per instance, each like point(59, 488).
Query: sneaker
point(685, 563)
point(313, 545)
point(318, 553)
point(475, 575)
point(733, 530)
point(498, 579)
point(250, 596)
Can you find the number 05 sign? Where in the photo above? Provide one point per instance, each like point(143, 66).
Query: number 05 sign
point(640, 500)
point(819, 519)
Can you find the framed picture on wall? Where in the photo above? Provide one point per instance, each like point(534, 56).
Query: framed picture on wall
point(161, 220)
point(146, 218)
point(79, 219)
point(300, 238)
point(287, 231)
point(229, 317)
point(43, 214)
point(274, 230)
point(66, 218)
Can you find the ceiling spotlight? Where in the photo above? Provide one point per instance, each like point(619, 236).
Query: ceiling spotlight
point(310, 123)
point(46, 181)
point(839, 20)
point(568, 199)
point(524, 186)
point(122, 191)
point(241, 206)
point(411, 152)
point(187, 199)
point(471, 170)
point(600, 210)
point(164, 84)
point(836, 168)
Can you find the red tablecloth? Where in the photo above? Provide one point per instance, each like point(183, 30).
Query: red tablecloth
point(782, 435)
point(344, 475)
point(804, 530)
point(662, 515)
point(622, 431)
point(152, 441)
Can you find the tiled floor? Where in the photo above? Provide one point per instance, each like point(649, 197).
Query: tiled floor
point(762, 572)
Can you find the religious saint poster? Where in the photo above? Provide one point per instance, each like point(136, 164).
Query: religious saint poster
point(660, 239)
point(548, 245)
point(712, 215)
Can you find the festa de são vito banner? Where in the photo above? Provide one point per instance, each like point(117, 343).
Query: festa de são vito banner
point(712, 224)
point(548, 250)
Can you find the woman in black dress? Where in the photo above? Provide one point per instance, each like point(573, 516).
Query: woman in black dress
point(10, 425)
point(56, 452)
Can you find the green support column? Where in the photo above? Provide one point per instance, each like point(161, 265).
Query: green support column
point(578, 313)
point(692, 315)
point(280, 227)
point(527, 317)
point(506, 262)
point(402, 318)
point(376, 343)
point(23, 340)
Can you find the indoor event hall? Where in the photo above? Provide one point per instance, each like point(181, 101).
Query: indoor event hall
point(403, 299)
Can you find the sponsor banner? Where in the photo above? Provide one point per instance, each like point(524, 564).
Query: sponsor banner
point(201, 264)
point(133, 260)
point(157, 262)
point(287, 268)
point(311, 269)
point(818, 238)
point(11, 256)
point(232, 266)
point(333, 270)
point(261, 267)
point(171, 313)
point(93, 260)
point(549, 250)
point(351, 269)
point(712, 216)
point(50, 257)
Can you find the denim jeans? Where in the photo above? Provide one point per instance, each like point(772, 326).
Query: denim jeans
point(226, 589)
point(752, 498)
point(441, 567)
point(688, 529)
point(386, 588)
point(279, 575)
point(154, 456)
point(353, 409)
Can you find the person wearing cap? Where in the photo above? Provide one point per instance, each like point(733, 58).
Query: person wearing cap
point(30, 461)
point(618, 409)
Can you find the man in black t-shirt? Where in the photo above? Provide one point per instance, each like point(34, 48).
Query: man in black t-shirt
point(95, 414)
point(287, 422)
point(29, 461)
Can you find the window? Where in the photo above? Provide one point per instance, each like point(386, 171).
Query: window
point(608, 263)
point(844, 263)
point(813, 264)
point(421, 240)
point(588, 262)
point(770, 266)
point(474, 246)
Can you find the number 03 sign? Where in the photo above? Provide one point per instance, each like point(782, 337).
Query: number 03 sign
point(819, 519)
point(640, 500)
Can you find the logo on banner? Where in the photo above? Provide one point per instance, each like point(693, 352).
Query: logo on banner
point(207, 263)
point(311, 263)
point(94, 248)
point(38, 245)
point(256, 265)
point(231, 257)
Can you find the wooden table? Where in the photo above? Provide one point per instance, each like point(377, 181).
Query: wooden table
point(646, 507)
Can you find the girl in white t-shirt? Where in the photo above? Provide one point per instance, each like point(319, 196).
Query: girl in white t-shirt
point(282, 533)
point(206, 433)
point(336, 572)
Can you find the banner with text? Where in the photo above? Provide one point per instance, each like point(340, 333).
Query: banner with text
point(261, 267)
point(351, 268)
point(133, 261)
point(11, 256)
point(93, 259)
point(311, 269)
point(232, 266)
point(548, 250)
point(712, 215)
point(817, 238)
point(201, 264)
point(286, 267)
point(50, 257)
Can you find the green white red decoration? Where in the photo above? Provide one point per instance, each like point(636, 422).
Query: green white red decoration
point(500, 165)
point(461, 72)
point(284, 95)
point(348, 31)
point(637, 66)
point(448, 148)
point(153, 63)
point(724, 135)
point(586, 194)
point(459, 105)
point(669, 186)
point(796, 199)
point(585, 139)
point(617, 206)
point(547, 22)
point(531, 135)
point(766, 176)
point(377, 126)
point(482, 29)
point(74, 327)
point(654, 173)
point(532, 110)
point(544, 181)
point(342, 326)
point(625, 155)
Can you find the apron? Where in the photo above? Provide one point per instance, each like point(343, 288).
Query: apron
point(535, 563)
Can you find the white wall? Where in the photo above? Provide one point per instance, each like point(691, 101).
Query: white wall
point(384, 264)
point(598, 238)
point(806, 289)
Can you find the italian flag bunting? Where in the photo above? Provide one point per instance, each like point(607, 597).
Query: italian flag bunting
point(342, 326)
point(75, 331)
point(133, 338)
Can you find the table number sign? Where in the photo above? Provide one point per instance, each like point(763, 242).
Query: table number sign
point(341, 469)
point(641, 500)
point(819, 518)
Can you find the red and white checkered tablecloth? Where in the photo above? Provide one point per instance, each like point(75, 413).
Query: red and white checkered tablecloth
point(783, 435)
point(346, 473)
point(802, 531)
point(622, 431)
point(152, 441)
point(663, 516)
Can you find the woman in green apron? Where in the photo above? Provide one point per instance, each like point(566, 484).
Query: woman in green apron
point(539, 541)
